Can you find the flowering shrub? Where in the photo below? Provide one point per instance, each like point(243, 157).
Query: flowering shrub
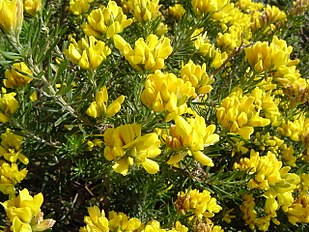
point(148, 115)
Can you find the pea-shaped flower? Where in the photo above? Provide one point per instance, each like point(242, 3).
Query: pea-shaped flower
point(200, 204)
point(88, 52)
point(148, 54)
point(10, 175)
point(18, 76)
point(109, 20)
point(8, 105)
point(267, 57)
point(100, 106)
point(238, 114)
point(24, 212)
point(144, 10)
point(10, 147)
point(191, 136)
point(198, 77)
point(125, 146)
point(96, 221)
point(164, 92)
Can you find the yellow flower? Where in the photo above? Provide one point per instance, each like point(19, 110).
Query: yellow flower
point(8, 105)
point(153, 226)
point(250, 215)
point(32, 6)
point(238, 114)
point(193, 136)
point(177, 11)
point(232, 39)
point(88, 52)
point(265, 101)
point(126, 146)
point(164, 92)
point(268, 173)
point(24, 211)
point(18, 76)
point(271, 17)
point(198, 77)
point(148, 54)
point(296, 130)
point(201, 7)
point(11, 16)
point(298, 212)
point(78, 7)
point(96, 221)
point(144, 10)
point(203, 45)
point(249, 6)
point(121, 222)
point(10, 147)
point(109, 20)
point(178, 227)
point(268, 57)
point(201, 204)
point(10, 176)
point(100, 108)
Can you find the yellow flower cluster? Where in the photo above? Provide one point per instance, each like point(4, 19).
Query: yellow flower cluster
point(8, 105)
point(274, 144)
point(78, 7)
point(100, 106)
point(144, 10)
point(298, 212)
point(18, 76)
point(201, 7)
point(96, 221)
point(203, 45)
point(201, 204)
point(198, 77)
point(177, 11)
point(297, 130)
point(148, 54)
point(10, 150)
point(120, 222)
point(10, 175)
point(32, 7)
point(88, 52)
point(276, 182)
point(109, 20)
point(269, 19)
point(190, 136)
point(250, 214)
point(239, 113)
point(10, 147)
point(24, 213)
point(164, 92)
point(125, 146)
point(268, 57)
point(249, 6)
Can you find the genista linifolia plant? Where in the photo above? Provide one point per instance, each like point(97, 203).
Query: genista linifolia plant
point(154, 116)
